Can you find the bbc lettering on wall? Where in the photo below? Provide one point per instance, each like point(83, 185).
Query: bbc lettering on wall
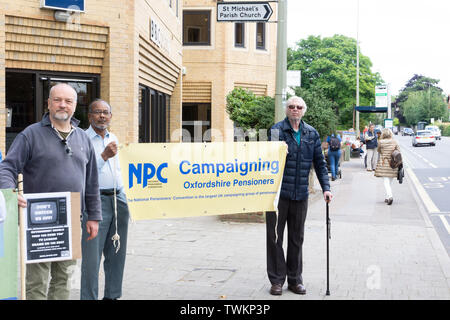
point(48, 228)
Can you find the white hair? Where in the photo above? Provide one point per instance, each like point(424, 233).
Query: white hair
point(299, 100)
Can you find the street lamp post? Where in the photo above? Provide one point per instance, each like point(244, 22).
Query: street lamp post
point(357, 68)
point(280, 85)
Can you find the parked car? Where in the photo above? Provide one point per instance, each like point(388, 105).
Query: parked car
point(407, 132)
point(435, 131)
point(423, 137)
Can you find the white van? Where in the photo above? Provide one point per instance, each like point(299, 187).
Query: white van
point(435, 130)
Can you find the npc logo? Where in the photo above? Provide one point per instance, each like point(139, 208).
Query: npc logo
point(146, 174)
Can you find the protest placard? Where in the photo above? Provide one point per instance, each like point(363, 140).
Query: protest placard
point(194, 179)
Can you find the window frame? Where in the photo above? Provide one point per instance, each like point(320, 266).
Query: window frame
point(209, 28)
point(236, 44)
point(264, 38)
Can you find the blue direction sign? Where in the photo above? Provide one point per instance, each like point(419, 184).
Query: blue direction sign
point(243, 11)
point(72, 5)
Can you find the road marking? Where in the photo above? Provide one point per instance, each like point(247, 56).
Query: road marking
point(445, 222)
point(429, 204)
point(425, 159)
point(414, 153)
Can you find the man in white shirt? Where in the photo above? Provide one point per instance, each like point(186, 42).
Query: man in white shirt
point(113, 229)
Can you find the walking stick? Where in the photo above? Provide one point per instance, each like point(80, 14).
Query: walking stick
point(328, 222)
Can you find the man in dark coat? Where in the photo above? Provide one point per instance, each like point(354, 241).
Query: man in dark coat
point(304, 150)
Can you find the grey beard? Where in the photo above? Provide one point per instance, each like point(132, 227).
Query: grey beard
point(100, 127)
point(59, 117)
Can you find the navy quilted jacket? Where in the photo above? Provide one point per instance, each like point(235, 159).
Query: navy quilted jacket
point(299, 160)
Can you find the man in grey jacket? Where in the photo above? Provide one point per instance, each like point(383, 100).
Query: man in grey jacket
point(54, 155)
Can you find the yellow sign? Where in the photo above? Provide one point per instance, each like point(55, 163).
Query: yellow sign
point(168, 180)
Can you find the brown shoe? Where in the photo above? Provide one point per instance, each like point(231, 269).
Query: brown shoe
point(276, 289)
point(297, 288)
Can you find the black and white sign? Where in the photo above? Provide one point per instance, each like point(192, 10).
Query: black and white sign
point(243, 11)
point(48, 227)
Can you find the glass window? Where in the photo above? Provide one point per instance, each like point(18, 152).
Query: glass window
point(153, 115)
point(196, 28)
point(239, 35)
point(261, 35)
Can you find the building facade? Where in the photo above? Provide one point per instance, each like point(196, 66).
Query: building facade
point(218, 57)
point(163, 65)
point(128, 53)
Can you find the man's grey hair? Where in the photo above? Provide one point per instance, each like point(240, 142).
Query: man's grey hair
point(296, 100)
point(93, 103)
point(63, 84)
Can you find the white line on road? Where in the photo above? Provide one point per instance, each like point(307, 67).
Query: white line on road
point(445, 222)
point(429, 204)
point(425, 159)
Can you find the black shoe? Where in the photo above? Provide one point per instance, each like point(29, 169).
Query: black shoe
point(297, 288)
point(276, 289)
point(333, 178)
point(390, 200)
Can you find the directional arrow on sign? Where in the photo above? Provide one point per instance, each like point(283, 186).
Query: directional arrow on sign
point(243, 11)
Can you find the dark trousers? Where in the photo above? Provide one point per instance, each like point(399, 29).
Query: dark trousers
point(294, 214)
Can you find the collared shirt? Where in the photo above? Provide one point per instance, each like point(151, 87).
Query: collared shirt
point(298, 134)
point(106, 177)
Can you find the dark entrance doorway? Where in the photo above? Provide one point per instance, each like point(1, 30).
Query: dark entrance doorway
point(27, 93)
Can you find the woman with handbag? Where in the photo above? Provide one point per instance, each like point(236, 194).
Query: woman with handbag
point(386, 145)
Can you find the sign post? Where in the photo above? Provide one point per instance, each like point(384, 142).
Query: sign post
point(243, 11)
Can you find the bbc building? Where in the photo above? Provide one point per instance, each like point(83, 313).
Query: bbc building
point(163, 65)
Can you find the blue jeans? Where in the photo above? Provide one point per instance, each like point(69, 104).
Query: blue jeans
point(334, 157)
point(92, 250)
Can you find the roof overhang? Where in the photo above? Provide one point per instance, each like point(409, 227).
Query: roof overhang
point(370, 109)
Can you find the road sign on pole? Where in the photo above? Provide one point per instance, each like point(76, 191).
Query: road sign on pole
point(381, 96)
point(243, 11)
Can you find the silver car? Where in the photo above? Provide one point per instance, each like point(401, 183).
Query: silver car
point(423, 137)
point(435, 130)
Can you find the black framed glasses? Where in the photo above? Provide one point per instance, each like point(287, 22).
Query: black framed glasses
point(67, 148)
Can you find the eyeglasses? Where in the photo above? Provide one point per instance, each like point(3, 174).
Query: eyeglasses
point(292, 107)
point(99, 112)
point(67, 147)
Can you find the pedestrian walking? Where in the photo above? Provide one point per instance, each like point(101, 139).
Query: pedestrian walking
point(371, 140)
point(304, 150)
point(334, 154)
point(55, 155)
point(386, 145)
point(113, 230)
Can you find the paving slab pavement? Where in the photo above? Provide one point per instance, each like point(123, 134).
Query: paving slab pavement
point(376, 251)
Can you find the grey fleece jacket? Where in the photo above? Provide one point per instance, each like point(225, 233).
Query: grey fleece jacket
point(40, 155)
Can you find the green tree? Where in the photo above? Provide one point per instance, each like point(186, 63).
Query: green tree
point(423, 105)
point(249, 111)
point(320, 112)
point(415, 84)
point(330, 64)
